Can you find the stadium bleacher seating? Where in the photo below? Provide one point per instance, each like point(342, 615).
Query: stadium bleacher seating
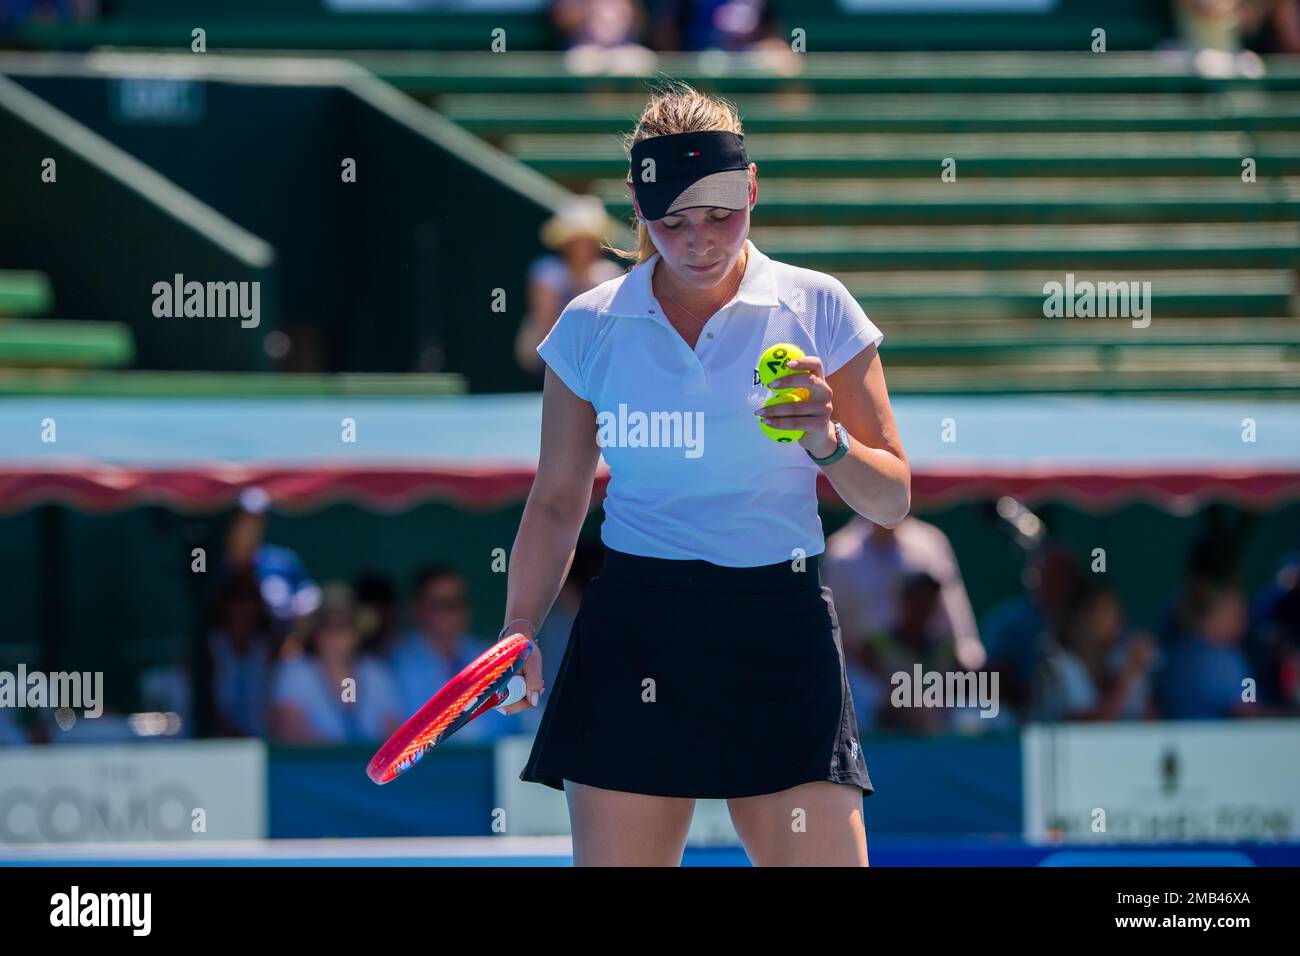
point(1138, 185)
point(1143, 184)
point(1126, 166)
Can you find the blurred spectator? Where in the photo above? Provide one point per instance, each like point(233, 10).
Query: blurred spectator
point(910, 641)
point(1273, 642)
point(866, 566)
point(1212, 560)
point(1271, 26)
point(553, 636)
point(602, 36)
point(733, 26)
point(1020, 633)
point(1203, 673)
point(281, 576)
point(1213, 31)
point(381, 612)
point(241, 648)
point(311, 702)
point(1102, 669)
point(439, 647)
point(694, 25)
point(900, 600)
point(868, 687)
point(575, 232)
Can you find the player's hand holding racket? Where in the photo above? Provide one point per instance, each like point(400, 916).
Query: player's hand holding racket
point(531, 693)
point(507, 677)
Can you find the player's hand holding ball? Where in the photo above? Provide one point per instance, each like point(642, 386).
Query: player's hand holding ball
point(801, 409)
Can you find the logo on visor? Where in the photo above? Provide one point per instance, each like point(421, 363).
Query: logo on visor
point(691, 154)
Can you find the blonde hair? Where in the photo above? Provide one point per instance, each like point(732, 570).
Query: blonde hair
point(676, 107)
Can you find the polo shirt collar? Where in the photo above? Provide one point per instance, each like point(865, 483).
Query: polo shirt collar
point(635, 296)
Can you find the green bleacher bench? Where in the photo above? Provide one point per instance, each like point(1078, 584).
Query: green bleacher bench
point(800, 112)
point(856, 200)
point(431, 74)
point(25, 293)
point(991, 341)
point(912, 299)
point(1054, 246)
point(580, 158)
point(63, 344)
point(1178, 373)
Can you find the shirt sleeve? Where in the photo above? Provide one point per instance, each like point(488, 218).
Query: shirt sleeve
point(289, 684)
point(381, 697)
point(849, 329)
point(1079, 694)
point(565, 348)
point(550, 272)
point(955, 604)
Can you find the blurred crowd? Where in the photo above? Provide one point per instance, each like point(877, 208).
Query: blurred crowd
point(280, 648)
point(292, 662)
point(1065, 649)
point(598, 36)
point(622, 36)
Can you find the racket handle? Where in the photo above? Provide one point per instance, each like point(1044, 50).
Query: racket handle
point(515, 691)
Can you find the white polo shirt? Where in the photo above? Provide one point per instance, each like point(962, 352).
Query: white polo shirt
point(691, 474)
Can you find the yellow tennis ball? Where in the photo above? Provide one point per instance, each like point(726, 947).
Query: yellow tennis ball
point(784, 435)
point(772, 363)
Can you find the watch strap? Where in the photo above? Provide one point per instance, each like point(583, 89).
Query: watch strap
point(840, 451)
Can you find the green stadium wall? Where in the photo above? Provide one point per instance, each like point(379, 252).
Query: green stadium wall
point(109, 227)
point(398, 271)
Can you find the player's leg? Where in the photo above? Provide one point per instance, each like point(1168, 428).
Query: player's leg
point(813, 824)
point(613, 828)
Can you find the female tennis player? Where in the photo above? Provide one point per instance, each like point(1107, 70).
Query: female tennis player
point(706, 659)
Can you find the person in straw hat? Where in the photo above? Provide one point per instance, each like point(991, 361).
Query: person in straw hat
point(576, 233)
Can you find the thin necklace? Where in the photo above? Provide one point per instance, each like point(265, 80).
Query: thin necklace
point(727, 299)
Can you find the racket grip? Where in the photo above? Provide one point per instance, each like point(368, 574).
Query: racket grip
point(515, 691)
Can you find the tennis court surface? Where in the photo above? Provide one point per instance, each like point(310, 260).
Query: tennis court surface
point(557, 851)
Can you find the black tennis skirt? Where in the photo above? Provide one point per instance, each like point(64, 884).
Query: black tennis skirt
point(690, 679)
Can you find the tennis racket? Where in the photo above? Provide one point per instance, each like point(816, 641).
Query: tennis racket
point(493, 679)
